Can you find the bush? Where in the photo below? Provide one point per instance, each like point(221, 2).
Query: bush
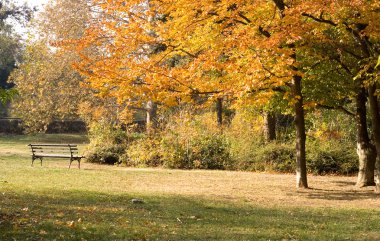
point(277, 157)
point(195, 142)
point(321, 158)
point(189, 141)
point(200, 152)
point(331, 157)
point(186, 142)
point(143, 152)
point(326, 153)
point(105, 154)
point(108, 143)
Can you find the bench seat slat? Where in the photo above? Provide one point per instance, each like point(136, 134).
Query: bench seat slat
point(55, 155)
point(45, 145)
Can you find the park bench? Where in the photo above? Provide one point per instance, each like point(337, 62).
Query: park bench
point(64, 151)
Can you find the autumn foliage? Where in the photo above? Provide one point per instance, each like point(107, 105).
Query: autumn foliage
point(302, 54)
point(171, 51)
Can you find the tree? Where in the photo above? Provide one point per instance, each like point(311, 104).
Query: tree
point(9, 44)
point(48, 86)
point(375, 117)
point(348, 37)
point(9, 10)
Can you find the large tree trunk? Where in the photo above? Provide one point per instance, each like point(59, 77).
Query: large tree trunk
point(219, 111)
point(301, 173)
point(375, 119)
point(365, 150)
point(269, 126)
point(151, 116)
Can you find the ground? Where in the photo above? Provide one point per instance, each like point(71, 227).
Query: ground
point(94, 203)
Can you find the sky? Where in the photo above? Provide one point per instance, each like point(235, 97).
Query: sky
point(34, 3)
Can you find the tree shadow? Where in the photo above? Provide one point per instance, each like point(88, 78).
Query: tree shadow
point(79, 215)
point(344, 183)
point(339, 195)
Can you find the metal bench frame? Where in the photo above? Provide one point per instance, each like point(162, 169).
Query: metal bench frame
point(65, 151)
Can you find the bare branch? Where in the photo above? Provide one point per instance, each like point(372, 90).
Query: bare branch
point(320, 19)
point(341, 108)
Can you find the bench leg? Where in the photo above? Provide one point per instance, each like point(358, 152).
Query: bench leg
point(34, 158)
point(71, 160)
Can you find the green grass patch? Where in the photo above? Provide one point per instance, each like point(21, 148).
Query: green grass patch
point(54, 203)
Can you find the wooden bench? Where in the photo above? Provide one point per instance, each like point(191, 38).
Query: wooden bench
point(65, 151)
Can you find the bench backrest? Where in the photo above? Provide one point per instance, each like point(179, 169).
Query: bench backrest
point(69, 149)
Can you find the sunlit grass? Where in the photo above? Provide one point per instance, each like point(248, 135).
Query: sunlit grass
point(94, 203)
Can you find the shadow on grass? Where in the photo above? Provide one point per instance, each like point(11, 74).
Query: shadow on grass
point(78, 215)
point(339, 195)
point(344, 183)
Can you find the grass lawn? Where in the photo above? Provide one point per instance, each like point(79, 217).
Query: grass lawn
point(53, 202)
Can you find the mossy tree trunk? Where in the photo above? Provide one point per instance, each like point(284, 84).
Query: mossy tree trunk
point(269, 126)
point(375, 119)
point(219, 111)
point(301, 174)
point(365, 150)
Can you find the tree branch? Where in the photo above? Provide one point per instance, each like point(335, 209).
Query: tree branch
point(341, 108)
point(264, 32)
point(320, 19)
point(244, 17)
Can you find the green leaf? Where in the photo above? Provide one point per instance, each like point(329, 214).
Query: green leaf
point(6, 95)
point(378, 62)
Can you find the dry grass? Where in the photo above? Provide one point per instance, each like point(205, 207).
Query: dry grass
point(263, 189)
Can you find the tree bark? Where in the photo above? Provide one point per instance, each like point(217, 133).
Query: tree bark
point(151, 116)
point(269, 126)
point(375, 119)
point(301, 174)
point(365, 150)
point(219, 111)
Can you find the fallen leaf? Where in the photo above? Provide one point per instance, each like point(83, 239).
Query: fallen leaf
point(71, 224)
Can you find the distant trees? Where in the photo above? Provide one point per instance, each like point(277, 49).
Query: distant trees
point(10, 46)
point(48, 86)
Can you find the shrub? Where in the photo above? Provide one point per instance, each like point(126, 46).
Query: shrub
point(194, 141)
point(200, 152)
point(326, 153)
point(278, 157)
point(321, 158)
point(186, 142)
point(108, 143)
point(143, 152)
point(333, 157)
point(108, 154)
